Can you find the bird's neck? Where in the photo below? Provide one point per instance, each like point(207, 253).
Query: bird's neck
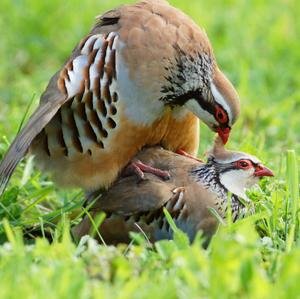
point(208, 176)
point(189, 77)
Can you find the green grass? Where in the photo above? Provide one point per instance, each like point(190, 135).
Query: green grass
point(257, 45)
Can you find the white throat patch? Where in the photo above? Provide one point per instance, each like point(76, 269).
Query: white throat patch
point(237, 181)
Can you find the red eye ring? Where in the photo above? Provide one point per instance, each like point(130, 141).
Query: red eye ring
point(244, 164)
point(221, 115)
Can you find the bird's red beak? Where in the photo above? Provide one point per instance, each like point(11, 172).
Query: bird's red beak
point(261, 171)
point(224, 134)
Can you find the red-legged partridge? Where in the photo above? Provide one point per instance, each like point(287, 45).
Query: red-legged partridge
point(192, 191)
point(143, 76)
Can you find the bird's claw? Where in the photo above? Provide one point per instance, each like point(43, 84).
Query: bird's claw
point(139, 169)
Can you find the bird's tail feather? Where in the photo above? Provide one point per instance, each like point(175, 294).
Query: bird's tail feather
point(20, 145)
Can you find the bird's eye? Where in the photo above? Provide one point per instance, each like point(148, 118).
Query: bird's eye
point(244, 164)
point(221, 115)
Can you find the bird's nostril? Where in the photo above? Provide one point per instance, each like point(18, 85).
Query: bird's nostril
point(259, 167)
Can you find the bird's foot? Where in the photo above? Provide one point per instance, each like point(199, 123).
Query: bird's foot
point(185, 154)
point(138, 168)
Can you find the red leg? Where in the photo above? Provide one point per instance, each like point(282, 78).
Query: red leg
point(138, 168)
point(183, 153)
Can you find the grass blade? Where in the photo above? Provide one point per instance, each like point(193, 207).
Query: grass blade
point(293, 183)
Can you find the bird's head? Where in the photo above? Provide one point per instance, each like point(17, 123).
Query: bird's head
point(196, 83)
point(237, 171)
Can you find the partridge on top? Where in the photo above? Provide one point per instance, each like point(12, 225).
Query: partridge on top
point(143, 76)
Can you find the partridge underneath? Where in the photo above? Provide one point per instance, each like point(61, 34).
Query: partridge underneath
point(143, 76)
point(193, 190)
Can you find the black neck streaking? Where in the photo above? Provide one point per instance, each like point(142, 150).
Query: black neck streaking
point(209, 176)
point(189, 77)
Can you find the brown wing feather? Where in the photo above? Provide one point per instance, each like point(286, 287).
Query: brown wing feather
point(127, 197)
